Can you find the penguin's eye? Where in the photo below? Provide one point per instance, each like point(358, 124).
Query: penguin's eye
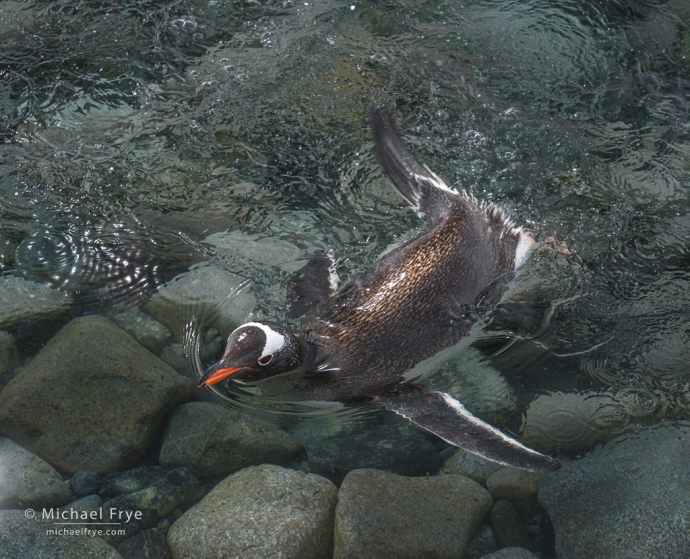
point(265, 360)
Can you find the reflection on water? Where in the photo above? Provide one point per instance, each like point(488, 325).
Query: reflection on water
point(141, 139)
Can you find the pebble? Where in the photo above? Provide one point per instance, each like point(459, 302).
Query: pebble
point(85, 482)
point(259, 512)
point(91, 399)
point(381, 516)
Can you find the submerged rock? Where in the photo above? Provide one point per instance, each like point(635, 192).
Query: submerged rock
point(129, 481)
point(400, 451)
point(212, 440)
point(517, 486)
point(149, 544)
point(627, 500)
point(91, 399)
point(482, 543)
point(508, 529)
point(85, 504)
point(28, 481)
point(511, 553)
point(177, 488)
point(9, 358)
point(381, 515)
point(222, 298)
point(262, 251)
point(572, 422)
point(21, 538)
point(24, 300)
point(470, 465)
point(85, 482)
point(262, 511)
point(144, 329)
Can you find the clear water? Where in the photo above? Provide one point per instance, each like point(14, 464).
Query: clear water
point(132, 131)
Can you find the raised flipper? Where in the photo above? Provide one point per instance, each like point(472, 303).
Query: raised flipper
point(428, 195)
point(312, 284)
point(447, 418)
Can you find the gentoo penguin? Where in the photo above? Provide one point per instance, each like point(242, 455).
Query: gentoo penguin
point(371, 341)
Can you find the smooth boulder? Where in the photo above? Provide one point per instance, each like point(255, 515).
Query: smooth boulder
point(28, 481)
point(91, 399)
point(21, 538)
point(400, 450)
point(24, 300)
point(626, 500)
point(381, 515)
point(212, 440)
point(221, 298)
point(261, 511)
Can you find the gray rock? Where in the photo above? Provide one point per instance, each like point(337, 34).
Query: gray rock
point(9, 357)
point(471, 380)
point(511, 553)
point(149, 544)
point(400, 451)
point(144, 329)
point(333, 426)
point(85, 482)
point(92, 398)
point(263, 252)
point(572, 422)
point(381, 515)
point(507, 526)
point(213, 440)
point(517, 486)
point(262, 511)
point(25, 300)
point(174, 355)
point(211, 344)
point(23, 539)
point(85, 504)
point(628, 499)
point(129, 481)
point(178, 488)
point(28, 481)
point(467, 464)
point(482, 543)
point(222, 298)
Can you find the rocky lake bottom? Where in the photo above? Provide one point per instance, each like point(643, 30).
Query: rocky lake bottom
point(100, 427)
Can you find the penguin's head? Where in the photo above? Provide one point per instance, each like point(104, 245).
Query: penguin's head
point(256, 351)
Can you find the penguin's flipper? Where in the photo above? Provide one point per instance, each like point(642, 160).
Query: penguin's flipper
point(428, 195)
point(312, 284)
point(447, 418)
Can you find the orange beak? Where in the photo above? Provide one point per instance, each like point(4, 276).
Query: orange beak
point(212, 376)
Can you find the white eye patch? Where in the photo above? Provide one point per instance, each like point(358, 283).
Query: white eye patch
point(274, 340)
